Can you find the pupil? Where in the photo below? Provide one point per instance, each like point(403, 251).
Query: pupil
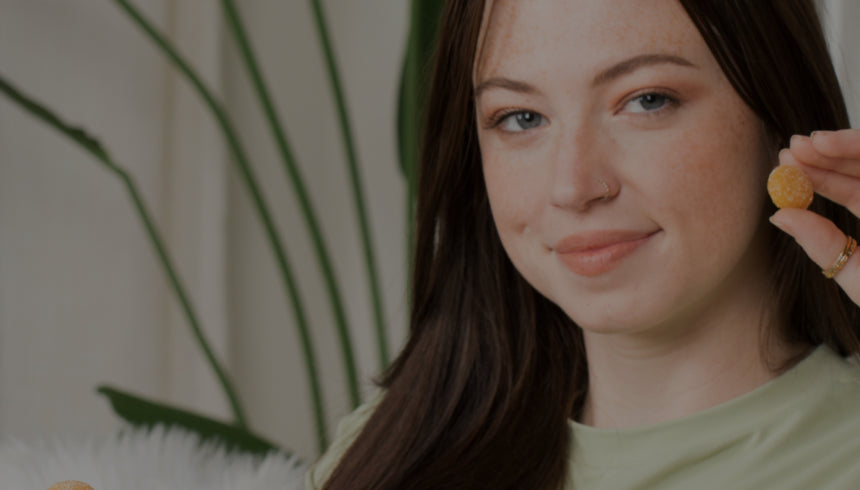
point(527, 120)
point(651, 101)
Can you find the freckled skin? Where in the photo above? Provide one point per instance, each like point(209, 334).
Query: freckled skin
point(694, 173)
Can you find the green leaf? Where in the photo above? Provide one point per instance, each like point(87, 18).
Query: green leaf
point(421, 43)
point(145, 413)
point(42, 112)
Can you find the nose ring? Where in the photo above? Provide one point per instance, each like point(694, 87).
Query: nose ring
point(605, 188)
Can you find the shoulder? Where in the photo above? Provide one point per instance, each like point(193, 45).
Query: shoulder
point(347, 431)
point(830, 433)
point(841, 376)
point(833, 391)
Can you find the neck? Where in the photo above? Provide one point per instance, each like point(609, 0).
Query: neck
point(637, 379)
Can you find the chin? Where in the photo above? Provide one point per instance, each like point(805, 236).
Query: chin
point(599, 320)
point(608, 327)
point(617, 315)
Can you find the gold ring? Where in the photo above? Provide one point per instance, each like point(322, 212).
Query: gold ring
point(606, 188)
point(840, 262)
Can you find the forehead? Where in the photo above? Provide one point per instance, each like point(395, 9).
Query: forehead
point(528, 34)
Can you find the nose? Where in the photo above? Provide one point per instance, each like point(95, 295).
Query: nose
point(582, 175)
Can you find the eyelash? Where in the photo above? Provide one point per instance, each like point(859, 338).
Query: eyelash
point(671, 102)
point(496, 119)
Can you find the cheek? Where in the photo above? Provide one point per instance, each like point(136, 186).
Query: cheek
point(515, 191)
point(719, 169)
point(517, 201)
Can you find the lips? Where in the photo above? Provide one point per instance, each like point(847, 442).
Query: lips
point(595, 253)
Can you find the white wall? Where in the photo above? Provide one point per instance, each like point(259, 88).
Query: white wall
point(80, 296)
point(842, 18)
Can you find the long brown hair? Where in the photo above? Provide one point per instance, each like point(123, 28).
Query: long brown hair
point(774, 54)
point(481, 394)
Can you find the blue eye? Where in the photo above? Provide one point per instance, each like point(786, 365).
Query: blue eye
point(648, 103)
point(520, 121)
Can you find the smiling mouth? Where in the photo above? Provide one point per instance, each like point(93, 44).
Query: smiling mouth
point(596, 253)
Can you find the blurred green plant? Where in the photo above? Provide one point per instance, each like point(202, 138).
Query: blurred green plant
point(423, 20)
point(423, 23)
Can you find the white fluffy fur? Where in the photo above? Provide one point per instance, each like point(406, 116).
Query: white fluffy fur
point(140, 460)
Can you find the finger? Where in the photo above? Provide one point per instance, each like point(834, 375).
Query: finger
point(837, 187)
point(844, 143)
point(823, 242)
point(807, 153)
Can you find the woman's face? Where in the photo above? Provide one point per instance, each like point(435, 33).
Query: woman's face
point(572, 94)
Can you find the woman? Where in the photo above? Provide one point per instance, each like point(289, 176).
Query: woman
point(600, 300)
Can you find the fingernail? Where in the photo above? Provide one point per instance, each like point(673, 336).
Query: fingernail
point(817, 135)
point(795, 139)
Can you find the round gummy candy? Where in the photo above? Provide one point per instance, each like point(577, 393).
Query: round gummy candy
point(70, 485)
point(789, 187)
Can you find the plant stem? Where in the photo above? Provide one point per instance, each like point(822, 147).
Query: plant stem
point(357, 186)
point(96, 149)
point(262, 208)
point(409, 115)
point(299, 188)
point(424, 18)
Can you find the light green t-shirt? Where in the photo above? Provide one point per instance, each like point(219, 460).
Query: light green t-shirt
point(798, 431)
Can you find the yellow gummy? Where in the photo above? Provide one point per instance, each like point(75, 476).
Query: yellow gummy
point(70, 485)
point(789, 187)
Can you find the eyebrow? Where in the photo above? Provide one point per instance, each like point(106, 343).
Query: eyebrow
point(613, 72)
point(632, 64)
point(504, 83)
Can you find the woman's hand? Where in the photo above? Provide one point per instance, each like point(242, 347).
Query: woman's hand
point(832, 160)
